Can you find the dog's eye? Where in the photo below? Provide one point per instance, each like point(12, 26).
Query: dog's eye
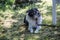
point(38, 14)
point(31, 14)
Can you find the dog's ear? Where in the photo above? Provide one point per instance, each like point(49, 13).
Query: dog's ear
point(37, 11)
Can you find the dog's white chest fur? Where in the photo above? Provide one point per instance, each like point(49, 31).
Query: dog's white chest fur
point(33, 22)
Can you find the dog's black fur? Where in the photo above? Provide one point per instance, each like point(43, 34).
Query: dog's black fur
point(31, 13)
point(25, 21)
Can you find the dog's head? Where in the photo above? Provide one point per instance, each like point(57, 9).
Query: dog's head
point(33, 13)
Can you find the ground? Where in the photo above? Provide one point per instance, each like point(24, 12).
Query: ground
point(11, 21)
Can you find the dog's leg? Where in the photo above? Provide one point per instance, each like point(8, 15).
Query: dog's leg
point(37, 29)
point(30, 28)
point(39, 21)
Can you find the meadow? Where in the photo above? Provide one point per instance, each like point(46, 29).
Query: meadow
point(11, 19)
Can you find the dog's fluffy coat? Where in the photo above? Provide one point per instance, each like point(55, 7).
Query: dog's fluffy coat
point(31, 21)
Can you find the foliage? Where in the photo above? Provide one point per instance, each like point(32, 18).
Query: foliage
point(10, 21)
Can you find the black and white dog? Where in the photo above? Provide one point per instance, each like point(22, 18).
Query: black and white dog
point(32, 19)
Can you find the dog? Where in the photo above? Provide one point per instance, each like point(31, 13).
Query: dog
point(32, 19)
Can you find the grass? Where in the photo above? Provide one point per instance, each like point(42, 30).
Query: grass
point(15, 18)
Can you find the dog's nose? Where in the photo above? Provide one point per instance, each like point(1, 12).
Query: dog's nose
point(36, 19)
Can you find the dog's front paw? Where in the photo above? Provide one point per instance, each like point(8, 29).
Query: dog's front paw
point(36, 31)
point(31, 31)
